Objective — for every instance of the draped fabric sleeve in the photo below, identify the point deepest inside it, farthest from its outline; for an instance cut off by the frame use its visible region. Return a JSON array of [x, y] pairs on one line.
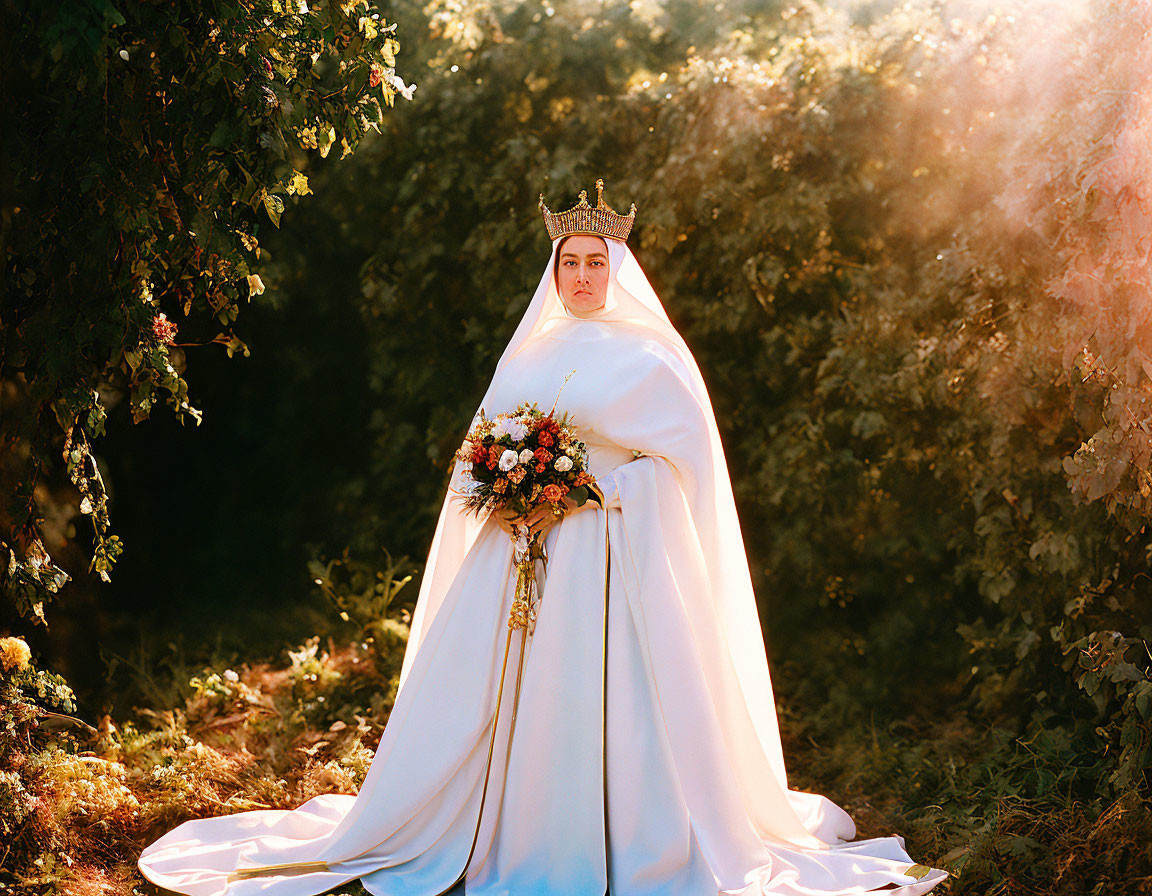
[[688, 563], [656, 414]]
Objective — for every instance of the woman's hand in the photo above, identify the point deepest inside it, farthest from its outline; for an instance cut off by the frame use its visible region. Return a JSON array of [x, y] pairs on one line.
[[539, 518], [508, 519], [542, 515]]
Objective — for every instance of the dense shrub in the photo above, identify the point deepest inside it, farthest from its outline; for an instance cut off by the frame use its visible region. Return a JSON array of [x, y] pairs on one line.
[[148, 145]]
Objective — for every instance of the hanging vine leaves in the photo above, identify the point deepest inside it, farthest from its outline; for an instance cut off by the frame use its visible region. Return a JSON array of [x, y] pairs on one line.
[[148, 146]]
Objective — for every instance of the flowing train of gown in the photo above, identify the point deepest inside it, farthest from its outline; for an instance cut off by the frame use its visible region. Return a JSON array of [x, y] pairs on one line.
[[665, 820]]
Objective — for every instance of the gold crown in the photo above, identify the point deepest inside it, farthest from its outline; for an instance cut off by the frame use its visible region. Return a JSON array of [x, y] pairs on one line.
[[583, 218]]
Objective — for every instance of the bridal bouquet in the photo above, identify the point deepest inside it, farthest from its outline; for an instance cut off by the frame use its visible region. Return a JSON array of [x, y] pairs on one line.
[[520, 460]]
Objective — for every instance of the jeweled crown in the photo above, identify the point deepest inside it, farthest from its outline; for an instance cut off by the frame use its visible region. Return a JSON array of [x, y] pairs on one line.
[[583, 218]]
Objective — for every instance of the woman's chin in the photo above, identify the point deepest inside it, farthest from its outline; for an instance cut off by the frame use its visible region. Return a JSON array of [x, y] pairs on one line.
[[578, 307]]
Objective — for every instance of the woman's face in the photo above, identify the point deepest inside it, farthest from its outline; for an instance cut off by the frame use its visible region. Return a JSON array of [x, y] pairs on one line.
[[582, 277]]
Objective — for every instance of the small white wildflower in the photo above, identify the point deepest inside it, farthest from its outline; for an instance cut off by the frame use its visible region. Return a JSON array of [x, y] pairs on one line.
[[231, 676]]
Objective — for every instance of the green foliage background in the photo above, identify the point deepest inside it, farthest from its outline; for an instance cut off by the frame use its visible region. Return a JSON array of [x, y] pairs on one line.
[[907, 248]]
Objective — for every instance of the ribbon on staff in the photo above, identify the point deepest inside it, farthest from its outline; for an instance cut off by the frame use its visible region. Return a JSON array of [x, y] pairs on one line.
[[527, 550]]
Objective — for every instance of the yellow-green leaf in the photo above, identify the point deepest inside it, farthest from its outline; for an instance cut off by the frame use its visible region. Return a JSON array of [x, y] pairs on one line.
[[299, 184]]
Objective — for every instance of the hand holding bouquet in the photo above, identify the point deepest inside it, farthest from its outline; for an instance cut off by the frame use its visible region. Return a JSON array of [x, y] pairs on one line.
[[519, 462]]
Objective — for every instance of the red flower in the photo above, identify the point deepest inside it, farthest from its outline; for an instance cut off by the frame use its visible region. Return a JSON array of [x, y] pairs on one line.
[[163, 329], [552, 492], [375, 75], [545, 437], [540, 468], [543, 455], [494, 453]]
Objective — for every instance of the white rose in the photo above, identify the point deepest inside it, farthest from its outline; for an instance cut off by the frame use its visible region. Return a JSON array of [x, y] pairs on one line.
[[526, 455], [563, 463], [508, 460]]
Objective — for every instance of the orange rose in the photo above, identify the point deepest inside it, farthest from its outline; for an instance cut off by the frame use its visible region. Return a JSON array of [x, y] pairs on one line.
[[552, 492]]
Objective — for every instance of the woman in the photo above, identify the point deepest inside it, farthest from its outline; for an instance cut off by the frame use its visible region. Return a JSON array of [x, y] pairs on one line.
[[638, 751]]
